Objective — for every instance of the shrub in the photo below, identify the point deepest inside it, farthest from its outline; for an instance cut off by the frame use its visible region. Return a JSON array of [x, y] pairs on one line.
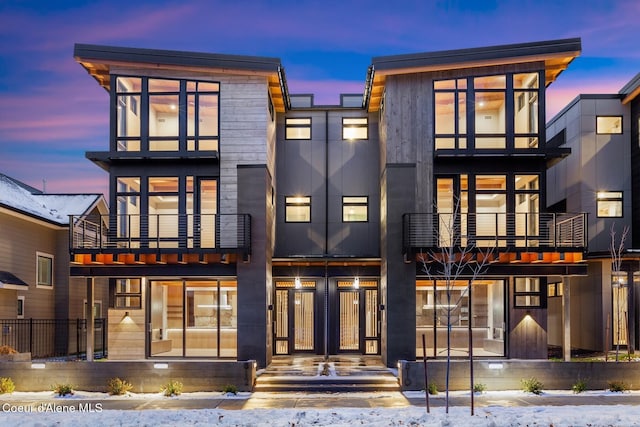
[[479, 388], [62, 389], [579, 386], [6, 349], [229, 388], [6, 385], [433, 388], [617, 386], [531, 385], [172, 388], [118, 387]]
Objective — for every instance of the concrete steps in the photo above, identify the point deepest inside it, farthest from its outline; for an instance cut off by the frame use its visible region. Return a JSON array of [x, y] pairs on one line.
[[338, 374]]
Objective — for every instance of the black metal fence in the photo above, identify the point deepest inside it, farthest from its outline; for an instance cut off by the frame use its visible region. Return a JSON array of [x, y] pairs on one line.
[[57, 338]]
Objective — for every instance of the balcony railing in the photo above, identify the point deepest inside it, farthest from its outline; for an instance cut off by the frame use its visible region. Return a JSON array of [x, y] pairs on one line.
[[216, 233], [504, 231]]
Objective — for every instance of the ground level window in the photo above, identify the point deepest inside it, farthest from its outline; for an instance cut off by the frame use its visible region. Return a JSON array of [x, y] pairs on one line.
[[527, 292], [20, 307], [609, 204], [442, 305], [127, 294]]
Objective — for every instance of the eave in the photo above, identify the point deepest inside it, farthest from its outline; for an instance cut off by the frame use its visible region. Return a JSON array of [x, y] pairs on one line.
[[99, 61], [556, 56]]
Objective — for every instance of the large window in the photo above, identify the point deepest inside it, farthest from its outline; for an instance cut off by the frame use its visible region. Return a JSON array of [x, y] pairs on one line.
[[449, 305], [194, 318], [298, 128], [298, 209], [181, 114], [355, 128], [495, 112], [609, 125], [44, 270], [609, 204], [355, 209]]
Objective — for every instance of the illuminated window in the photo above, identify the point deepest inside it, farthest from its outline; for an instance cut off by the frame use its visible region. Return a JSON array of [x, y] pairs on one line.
[[609, 204], [355, 209], [44, 270], [298, 209], [527, 292], [127, 294], [298, 128], [355, 128], [609, 124]]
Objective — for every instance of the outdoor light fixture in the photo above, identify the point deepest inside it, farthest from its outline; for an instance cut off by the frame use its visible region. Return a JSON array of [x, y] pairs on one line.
[[160, 366], [495, 366], [356, 282], [298, 283], [37, 366]]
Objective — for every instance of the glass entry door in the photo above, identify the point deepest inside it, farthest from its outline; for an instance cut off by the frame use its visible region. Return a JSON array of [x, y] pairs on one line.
[[295, 317], [358, 317]]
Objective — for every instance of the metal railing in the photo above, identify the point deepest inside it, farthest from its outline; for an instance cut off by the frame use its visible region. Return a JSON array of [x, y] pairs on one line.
[[216, 232], [535, 231], [53, 338]]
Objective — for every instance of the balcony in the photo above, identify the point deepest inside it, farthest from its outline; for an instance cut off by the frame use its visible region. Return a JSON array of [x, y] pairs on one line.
[[113, 239], [512, 233]]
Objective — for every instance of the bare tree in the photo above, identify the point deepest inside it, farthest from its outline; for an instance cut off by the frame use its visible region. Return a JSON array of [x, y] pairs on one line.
[[456, 259], [616, 249]]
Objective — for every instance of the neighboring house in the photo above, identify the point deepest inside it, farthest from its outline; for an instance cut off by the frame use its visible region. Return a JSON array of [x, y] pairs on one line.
[[601, 177], [247, 222], [34, 256]]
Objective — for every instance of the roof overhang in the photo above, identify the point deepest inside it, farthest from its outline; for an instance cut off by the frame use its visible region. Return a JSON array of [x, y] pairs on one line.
[[100, 60], [11, 281], [555, 54], [631, 90]]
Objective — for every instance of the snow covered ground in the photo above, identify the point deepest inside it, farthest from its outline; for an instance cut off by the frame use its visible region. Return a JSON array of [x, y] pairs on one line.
[[43, 409]]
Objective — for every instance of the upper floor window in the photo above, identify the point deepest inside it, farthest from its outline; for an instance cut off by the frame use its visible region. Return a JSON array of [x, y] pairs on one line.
[[298, 128], [44, 270], [495, 112], [355, 209], [178, 114], [355, 128], [609, 204], [298, 209], [609, 125]]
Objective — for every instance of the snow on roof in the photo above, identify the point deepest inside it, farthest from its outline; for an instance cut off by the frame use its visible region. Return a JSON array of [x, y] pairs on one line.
[[54, 208]]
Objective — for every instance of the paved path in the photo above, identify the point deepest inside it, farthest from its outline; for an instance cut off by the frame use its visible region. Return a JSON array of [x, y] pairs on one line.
[[330, 400]]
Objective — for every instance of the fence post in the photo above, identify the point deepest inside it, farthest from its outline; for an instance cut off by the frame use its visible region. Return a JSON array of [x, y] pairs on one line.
[[77, 338], [31, 336]]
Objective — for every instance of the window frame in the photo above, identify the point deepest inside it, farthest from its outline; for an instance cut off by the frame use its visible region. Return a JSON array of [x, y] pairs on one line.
[[20, 300], [356, 126], [126, 296], [300, 204], [540, 293], [606, 116], [600, 197], [288, 126], [346, 204], [51, 259]]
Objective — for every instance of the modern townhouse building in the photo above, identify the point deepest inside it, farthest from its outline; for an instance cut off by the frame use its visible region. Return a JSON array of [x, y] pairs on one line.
[[34, 266], [601, 178], [247, 222]]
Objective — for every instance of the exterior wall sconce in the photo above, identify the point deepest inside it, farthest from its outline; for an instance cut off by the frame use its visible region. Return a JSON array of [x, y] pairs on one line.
[[298, 283], [356, 282]]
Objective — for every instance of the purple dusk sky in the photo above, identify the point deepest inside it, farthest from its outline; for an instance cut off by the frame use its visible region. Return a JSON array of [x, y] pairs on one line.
[[52, 111]]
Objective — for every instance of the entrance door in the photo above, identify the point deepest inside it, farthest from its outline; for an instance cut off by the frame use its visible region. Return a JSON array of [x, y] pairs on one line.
[[358, 317], [295, 317]]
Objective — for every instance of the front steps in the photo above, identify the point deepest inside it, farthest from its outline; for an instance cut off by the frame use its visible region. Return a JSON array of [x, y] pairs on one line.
[[337, 374]]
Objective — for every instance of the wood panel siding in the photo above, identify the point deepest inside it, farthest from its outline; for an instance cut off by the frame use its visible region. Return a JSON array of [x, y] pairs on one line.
[[126, 338]]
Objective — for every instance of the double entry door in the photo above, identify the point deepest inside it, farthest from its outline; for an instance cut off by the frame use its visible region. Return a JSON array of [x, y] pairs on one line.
[[313, 318]]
